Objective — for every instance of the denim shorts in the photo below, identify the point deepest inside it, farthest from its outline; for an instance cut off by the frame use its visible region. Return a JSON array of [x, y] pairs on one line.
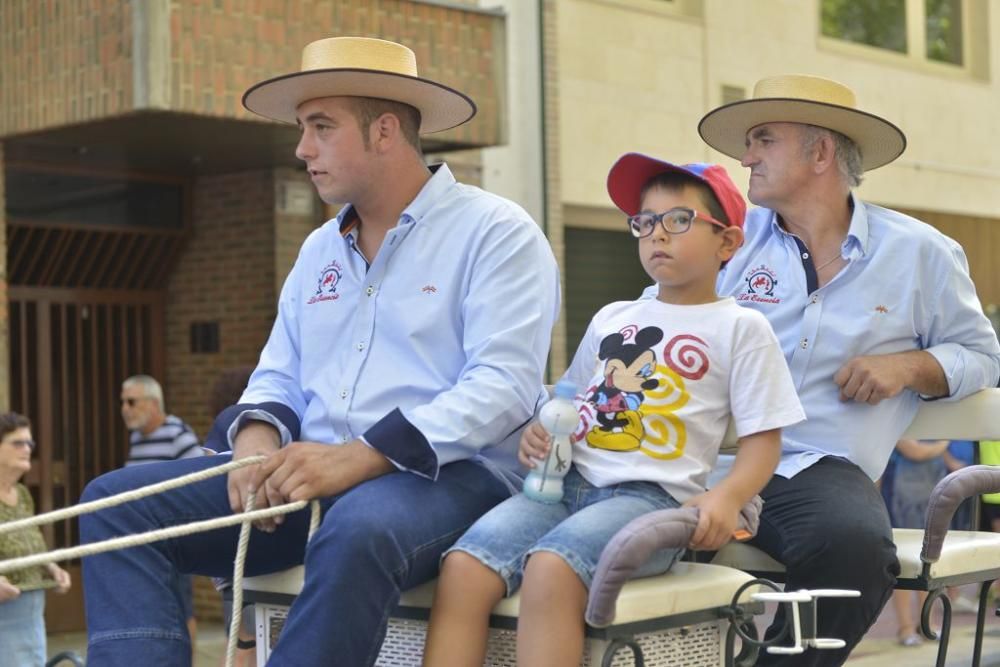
[[576, 529]]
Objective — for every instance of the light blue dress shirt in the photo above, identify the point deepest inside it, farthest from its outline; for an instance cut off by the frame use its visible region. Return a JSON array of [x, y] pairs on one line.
[[432, 354], [905, 287]]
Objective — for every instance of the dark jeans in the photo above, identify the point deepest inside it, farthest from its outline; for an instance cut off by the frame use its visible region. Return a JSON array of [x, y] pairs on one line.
[[377, 539], [830, 528]]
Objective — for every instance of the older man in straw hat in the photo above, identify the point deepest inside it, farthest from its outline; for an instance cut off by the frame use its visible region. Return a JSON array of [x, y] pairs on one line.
[[409, 346], [875, 312]]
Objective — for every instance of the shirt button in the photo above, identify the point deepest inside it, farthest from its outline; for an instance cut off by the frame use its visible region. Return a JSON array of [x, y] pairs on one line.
[[361, 346], [370, 290], [805, 255], [814, 298], [804, 343], [343, 394]]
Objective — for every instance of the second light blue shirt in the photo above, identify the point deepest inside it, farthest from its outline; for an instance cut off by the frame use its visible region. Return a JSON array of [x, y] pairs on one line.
[[905, 287]]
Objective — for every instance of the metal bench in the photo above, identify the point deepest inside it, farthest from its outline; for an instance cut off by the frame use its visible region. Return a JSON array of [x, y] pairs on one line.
[[933, 558], [675, 619], [680, 618]]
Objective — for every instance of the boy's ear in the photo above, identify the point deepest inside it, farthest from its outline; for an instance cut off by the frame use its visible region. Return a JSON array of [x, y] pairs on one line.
[[732, 239]]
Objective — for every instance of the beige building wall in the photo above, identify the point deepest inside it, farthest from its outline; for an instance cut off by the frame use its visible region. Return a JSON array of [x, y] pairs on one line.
[[639, 74]]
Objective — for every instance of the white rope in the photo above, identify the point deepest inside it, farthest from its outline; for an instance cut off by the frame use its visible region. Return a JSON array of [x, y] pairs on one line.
[[246, 518], [236, 618], [70, 553], [127, 496]]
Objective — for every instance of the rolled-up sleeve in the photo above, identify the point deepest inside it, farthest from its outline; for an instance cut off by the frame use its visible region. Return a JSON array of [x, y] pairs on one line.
[[957, 333]]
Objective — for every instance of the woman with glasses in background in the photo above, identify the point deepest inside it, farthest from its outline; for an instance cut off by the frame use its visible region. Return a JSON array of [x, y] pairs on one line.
[[22, 592]]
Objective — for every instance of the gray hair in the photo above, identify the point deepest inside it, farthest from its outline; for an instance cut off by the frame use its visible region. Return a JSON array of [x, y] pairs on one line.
[[845, 151], [150, 388]]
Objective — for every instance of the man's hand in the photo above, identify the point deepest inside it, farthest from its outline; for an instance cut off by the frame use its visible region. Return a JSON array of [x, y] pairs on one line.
[[871, 379], [535, 443], [307, 470], [256, 438], [717, 516], [61, 577], [874, 378], [8, 591]]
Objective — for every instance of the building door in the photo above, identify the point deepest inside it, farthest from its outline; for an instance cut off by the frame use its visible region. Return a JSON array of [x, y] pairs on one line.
[[89, 254], [70, 350]]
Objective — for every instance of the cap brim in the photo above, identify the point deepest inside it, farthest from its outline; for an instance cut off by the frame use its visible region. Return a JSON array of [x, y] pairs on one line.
[[441, 108], [629, 173], [725, 129]]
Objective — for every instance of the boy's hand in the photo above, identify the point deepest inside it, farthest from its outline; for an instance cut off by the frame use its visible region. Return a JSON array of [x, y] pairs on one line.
[[535, 443], [717, 517]]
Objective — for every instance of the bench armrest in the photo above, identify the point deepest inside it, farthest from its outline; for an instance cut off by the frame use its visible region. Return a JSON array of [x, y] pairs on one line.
[[947, 495], [636, 542], [972, 418]]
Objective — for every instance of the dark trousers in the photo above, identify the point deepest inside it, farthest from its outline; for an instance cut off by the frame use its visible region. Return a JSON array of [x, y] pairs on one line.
[[830, 528]]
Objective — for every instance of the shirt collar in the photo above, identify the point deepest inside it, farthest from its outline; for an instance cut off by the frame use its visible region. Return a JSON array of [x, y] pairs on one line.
[[857, 232], [441, 179]]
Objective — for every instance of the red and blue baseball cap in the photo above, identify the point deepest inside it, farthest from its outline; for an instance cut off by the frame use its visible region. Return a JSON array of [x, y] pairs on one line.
[[632, 170]]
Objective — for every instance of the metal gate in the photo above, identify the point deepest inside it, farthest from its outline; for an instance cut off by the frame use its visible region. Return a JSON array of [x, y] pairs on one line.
[[70, 350]]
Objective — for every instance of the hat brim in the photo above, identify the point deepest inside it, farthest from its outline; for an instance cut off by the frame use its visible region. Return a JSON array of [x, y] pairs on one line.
[[725, 129], [441, 108]]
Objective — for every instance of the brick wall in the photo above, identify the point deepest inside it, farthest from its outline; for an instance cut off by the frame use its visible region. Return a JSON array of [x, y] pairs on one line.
[[218, 49], [225, 275], [72, 61], [65, 61]]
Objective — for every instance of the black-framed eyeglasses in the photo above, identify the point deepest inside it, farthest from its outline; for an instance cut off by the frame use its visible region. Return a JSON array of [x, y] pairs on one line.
[[675, 221], [30, 444]]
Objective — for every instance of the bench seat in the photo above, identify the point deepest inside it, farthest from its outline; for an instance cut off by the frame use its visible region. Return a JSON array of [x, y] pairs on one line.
[[665, 614]]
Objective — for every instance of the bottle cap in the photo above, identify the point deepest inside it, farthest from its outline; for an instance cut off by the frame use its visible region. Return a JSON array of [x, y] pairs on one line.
[[565, 389]]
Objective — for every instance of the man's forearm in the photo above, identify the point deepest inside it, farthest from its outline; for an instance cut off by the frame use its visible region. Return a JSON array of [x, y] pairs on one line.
[[924, 373]]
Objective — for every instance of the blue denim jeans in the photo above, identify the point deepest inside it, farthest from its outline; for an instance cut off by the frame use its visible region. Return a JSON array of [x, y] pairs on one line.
[[22, 630], [376, 540], [576, 529]]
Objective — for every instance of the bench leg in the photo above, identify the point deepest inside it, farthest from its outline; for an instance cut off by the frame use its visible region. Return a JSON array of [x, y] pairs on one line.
[[617, 645], [749, 651], [925, 622], [977, 649]]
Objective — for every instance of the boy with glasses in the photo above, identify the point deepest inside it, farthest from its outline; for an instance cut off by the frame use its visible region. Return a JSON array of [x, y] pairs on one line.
[[661, 378]]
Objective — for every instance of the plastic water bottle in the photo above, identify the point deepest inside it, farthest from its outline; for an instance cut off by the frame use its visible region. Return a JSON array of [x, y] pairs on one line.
[[560, 418]]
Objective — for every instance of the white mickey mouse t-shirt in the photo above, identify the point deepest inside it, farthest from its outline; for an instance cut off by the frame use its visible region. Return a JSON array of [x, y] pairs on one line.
[[657, 383]]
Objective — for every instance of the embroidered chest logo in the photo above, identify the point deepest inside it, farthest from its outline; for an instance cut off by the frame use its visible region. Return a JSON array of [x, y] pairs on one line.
[[761, 281], [326, 285], [881, 310], [429, 289], [632, 408]]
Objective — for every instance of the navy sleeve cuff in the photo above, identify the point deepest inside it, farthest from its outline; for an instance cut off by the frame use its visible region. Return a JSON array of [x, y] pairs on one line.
[[218, 439], [400, 442]]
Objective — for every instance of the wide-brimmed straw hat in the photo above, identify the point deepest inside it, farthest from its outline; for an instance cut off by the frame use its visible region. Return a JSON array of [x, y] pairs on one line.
[[799, 98], [360, 67]]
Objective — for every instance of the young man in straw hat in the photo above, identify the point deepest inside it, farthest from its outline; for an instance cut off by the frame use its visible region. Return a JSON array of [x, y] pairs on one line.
[[410, 342], [875, 311]]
